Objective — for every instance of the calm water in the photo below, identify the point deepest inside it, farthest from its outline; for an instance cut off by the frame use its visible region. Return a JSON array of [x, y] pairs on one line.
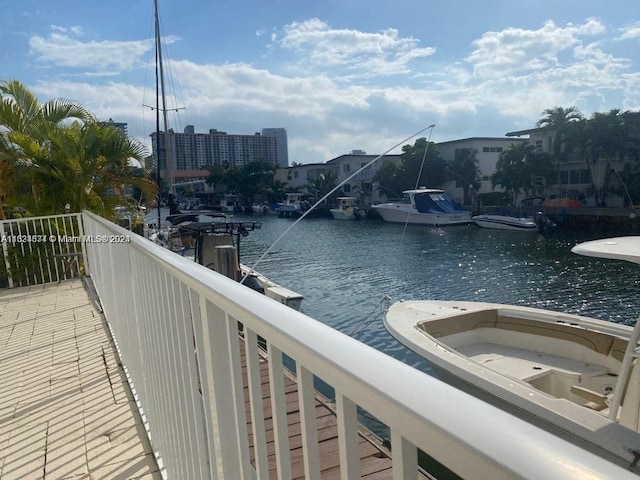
[[345, 269]]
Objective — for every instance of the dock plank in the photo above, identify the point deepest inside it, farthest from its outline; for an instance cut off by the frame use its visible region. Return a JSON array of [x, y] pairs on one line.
[[375, 459]]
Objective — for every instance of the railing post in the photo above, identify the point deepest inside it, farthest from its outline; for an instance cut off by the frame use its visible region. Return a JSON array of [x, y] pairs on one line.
[[5, 255], [347, 413], [279, 413], [404, 458], [308, 424], [80, 220], [214, 355]]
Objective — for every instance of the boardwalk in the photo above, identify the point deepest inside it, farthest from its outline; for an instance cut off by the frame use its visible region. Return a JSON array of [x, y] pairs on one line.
[[66, 411]]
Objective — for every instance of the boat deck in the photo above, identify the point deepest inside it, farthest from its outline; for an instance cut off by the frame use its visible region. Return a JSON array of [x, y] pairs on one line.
[[525, 364], [66, 409]]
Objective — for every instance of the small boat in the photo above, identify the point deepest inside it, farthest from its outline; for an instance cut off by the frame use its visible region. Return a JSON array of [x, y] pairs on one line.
[[347, 209], [229, 203], [424, 206], [292, 206], [575, 376], [260, 209], [216, 245], [505, 221]]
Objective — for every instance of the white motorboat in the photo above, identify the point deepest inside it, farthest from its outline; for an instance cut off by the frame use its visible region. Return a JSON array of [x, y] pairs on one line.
[[575, 376], [260, 209], [506, 222], [229, 203], [347, 209], [424, 206]]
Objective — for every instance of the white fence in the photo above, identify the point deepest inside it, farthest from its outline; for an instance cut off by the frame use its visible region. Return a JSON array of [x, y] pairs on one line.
[[41, 249], [176, 325]]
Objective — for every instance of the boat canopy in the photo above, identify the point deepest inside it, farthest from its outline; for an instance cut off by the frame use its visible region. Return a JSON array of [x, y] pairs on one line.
[[436, 203]]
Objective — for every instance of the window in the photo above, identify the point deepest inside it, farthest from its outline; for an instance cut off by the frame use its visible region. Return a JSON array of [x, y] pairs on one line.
[[564, 178], [585, 176], [296, 174], [491, 149], [538, 146], [346, 168], [574, 176], [346, 188]]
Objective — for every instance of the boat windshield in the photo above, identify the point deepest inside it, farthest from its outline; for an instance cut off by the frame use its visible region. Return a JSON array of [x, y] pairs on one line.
[[406, 198], [436, 203]]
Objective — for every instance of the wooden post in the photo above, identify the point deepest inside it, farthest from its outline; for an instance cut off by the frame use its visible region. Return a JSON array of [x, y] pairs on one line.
[[227, 261]]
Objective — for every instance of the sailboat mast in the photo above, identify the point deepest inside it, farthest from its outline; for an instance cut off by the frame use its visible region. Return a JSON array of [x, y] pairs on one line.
[[161, 94]]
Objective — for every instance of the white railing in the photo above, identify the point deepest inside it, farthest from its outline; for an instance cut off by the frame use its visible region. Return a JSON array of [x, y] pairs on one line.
[[39, 250], [176, 326]]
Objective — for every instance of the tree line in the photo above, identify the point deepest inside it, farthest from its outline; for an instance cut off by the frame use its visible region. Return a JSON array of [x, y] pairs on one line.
[[56, 157], [611, 136]]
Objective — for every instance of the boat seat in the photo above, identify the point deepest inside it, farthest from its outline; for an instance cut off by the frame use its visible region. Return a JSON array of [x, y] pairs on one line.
[[459, 323], [595, 400], [599, 342]]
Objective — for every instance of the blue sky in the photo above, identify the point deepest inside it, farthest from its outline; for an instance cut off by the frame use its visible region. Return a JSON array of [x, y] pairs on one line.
[[337, 74]]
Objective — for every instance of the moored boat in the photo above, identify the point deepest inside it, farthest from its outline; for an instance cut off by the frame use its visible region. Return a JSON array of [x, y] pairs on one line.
[[424, 206], [292, 206], [575, 376], [346, 210], [216, 245], [506, 222]]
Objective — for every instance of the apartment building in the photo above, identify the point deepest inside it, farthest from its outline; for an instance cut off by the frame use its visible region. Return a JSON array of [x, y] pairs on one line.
[[191, 152]]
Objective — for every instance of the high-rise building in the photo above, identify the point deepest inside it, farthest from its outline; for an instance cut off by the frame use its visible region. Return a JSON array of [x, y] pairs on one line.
[[121, 125], [282, 147], [191, 151]]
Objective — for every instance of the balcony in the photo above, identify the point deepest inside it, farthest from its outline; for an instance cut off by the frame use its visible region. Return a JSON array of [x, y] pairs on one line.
[[205, 359]]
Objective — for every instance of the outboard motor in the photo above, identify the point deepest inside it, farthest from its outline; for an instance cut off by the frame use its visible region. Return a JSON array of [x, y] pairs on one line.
[[545, 225]]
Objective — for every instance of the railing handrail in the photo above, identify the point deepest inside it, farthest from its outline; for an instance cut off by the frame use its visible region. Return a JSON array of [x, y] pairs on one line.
[[40, 217], [453, 427]]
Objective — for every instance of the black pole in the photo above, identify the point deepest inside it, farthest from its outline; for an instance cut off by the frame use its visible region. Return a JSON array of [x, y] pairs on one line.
[[157, 143]]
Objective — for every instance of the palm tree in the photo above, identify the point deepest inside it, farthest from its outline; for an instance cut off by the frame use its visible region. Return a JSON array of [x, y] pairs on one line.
[[556, 120], [465, 167], [88, 167], [23, 119], [84, 164]]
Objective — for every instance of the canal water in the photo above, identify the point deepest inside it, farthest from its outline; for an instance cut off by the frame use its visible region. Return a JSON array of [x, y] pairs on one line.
[[345, 270]]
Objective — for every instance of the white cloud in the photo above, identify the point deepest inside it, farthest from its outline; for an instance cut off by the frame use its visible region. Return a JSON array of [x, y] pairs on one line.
[[516, 50], [362, 53], [631, 31], [63, 48]]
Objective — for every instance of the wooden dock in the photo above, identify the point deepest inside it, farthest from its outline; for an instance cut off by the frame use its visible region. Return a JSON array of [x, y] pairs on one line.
[[375, 459]]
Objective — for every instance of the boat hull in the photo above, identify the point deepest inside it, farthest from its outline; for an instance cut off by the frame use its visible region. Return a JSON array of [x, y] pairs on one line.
[[477, 360], [395, 213], [342, 214], [504, 222]]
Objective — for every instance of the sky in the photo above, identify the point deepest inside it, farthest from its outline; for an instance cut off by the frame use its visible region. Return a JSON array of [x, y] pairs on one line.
[[339, 75]]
